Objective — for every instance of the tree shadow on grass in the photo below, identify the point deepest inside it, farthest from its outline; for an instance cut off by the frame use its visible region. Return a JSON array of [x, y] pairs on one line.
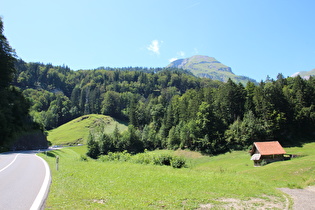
[[50, 154], [297, 141]]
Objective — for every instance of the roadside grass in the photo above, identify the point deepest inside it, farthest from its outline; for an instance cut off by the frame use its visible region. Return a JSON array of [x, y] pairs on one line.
[[93, 184], [77, 130], [81, 150]]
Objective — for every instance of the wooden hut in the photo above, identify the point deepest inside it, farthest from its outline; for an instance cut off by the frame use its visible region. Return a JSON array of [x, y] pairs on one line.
[[270, 151]]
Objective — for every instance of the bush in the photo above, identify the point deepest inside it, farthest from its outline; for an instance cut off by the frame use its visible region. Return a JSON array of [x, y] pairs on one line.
[[165, 159], [142, 158], [124, 156], [83, 158], [103, 158], [117, 156], [145, 158], [178, 162], [169, 160]]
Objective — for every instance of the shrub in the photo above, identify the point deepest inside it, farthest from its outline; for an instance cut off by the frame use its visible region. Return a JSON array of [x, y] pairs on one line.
[[142, 158], [124, 156], [169, 160], [103, 158], [145, 158], [178, 162], [115, 156], [164, 159], [83, 158]]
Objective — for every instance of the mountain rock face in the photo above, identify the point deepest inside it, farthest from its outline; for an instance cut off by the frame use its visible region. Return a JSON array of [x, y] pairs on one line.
[[209, 67], [304, 74]]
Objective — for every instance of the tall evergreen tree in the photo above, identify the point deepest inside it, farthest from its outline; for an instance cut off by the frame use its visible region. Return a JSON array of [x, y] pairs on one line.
[[14, 118], [7, 60]]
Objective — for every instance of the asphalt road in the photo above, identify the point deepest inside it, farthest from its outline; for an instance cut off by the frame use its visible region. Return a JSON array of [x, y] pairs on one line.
[[24, 180]]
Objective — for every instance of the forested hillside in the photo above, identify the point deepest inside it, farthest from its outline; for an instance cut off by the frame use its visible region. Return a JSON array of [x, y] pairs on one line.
[[170, 108], [17, 129]]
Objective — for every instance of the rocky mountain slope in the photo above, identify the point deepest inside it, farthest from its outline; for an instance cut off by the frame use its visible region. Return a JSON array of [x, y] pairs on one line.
[[304, 74], [209, 67]]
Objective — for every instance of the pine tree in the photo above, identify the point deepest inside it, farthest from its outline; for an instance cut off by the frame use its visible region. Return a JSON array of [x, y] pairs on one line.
[[7, 60], [14, 108]]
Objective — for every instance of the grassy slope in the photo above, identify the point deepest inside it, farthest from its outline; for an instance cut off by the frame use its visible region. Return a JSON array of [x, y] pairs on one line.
[[119, 185], [198, 68], [77, 130]]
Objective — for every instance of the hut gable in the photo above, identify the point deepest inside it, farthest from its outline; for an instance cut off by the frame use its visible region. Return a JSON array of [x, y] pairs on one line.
[[269, 151]]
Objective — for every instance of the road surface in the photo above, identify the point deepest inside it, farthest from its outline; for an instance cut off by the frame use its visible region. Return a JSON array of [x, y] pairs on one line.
[[24, 180]]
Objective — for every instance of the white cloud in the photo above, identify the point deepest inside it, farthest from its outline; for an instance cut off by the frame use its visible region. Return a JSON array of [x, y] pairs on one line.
[[154, 47], [180, 54], [172, 59]]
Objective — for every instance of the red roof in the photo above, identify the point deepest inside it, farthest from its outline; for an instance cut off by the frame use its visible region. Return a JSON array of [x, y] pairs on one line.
[[268, 148]]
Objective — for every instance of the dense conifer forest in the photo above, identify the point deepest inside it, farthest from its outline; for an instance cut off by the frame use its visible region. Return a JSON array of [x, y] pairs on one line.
[[169, 107]]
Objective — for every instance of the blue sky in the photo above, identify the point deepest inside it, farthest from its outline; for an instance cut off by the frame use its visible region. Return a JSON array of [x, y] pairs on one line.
[[255, 38]]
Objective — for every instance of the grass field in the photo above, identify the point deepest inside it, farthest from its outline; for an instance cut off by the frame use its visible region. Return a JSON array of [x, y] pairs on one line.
[[222, 181], [77, 130]]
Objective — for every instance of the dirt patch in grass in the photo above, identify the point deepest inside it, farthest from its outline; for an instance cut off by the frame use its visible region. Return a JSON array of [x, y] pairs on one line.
[[266, 202], [100, 201], [188, 154]]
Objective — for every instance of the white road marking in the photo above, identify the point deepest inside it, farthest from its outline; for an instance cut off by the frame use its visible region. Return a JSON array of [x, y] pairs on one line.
[[38, 202], [9, 163]]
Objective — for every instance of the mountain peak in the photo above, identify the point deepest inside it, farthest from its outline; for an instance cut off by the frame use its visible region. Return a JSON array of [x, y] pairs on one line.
[[209, 67], [203, 58], [200, 62]]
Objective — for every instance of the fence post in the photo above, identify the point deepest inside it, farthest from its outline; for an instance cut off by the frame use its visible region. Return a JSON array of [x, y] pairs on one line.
[[57, 163]]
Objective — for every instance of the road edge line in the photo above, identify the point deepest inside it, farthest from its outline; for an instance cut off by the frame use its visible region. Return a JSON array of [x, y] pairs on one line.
[[9, 163], [43, 192]]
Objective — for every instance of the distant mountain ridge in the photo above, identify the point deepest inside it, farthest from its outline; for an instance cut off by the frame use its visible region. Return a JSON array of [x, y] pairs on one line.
[[304, 74], [209, 67]]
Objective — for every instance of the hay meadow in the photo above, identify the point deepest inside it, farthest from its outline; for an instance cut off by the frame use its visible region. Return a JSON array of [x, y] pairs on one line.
[[225, 181]]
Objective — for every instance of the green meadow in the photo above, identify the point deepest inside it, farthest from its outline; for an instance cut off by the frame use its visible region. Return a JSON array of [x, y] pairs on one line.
[[76, 131], [225, 181]]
